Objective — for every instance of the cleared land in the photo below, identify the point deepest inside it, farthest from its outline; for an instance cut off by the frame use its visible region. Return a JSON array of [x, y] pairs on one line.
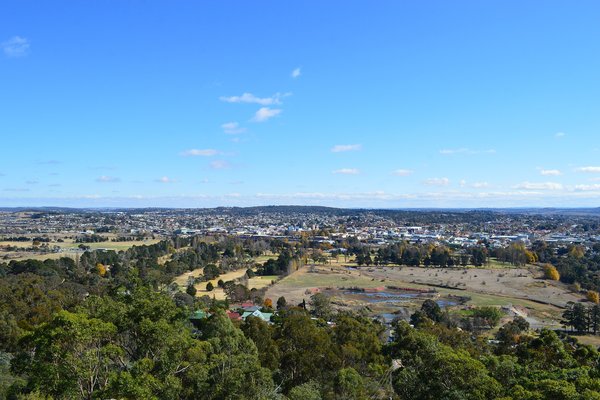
[[259, 282], [68, 248], [217, 292], [517, 289]]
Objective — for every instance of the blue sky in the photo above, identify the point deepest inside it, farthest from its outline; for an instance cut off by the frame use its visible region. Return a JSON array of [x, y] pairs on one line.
[[340, 103]]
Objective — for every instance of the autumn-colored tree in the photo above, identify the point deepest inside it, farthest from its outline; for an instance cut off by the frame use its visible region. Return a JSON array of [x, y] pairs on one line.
[[531, 257], [550, 272], [593, 296], [577, 251], [268, 303], [101, 268]]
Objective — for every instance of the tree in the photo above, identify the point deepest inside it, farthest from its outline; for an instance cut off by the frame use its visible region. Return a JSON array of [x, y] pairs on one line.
[[594, 318], [358, 343], [431, 370], [268, 303], [510, 333], [261, 333], [281, 303], [349, 385], [307, 391], [306, 350], [432, 310], [191, 290], [209, 287], [575, 316], [550, 272], [232, 368], [70, 357], [321, 306], [593, 296], [491, 315]]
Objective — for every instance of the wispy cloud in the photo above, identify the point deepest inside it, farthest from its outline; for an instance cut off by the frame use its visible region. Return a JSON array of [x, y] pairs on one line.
[[437, 182], [586, 188], [252, 99], [539, 186], [402, 172], [296, 73], [339, 148], [265, 113], [220, 164], [232, 128], [199, 153], [16, 46], [480, 185], [165, 179], [346, 171], [16, 190], [107, 179], [589, 170], [550, 172], [466, 151], [31, 182], [559, 135]]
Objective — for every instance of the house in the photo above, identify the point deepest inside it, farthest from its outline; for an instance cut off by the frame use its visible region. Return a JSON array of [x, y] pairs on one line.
[[251, 308], [258, 314], [234, 316]]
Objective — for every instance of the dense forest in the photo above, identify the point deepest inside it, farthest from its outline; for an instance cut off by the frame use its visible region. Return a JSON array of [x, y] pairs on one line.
[[110, 325]]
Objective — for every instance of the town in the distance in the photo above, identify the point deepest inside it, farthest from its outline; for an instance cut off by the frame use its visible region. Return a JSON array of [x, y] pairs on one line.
[[500, 287]]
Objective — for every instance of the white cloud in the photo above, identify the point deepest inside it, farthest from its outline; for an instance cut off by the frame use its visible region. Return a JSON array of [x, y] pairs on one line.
[[402, 172], [550, 172], [16, 190], [252, 99], [107, 179], [559, 135], [346, 171], [465, 150], [232, 128], [591, 170], [539, 186], [296, 73], [437, 182], [338, 148], [219, 164], [16, 46], [166, 179], [265, 113], [480, 185], [201, 153], [586, 188]]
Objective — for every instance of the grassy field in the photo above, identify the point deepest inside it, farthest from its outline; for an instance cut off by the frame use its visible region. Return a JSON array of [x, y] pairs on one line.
[[259, 282], [484, 286], [265, 257], [217, 292], [68, 248]]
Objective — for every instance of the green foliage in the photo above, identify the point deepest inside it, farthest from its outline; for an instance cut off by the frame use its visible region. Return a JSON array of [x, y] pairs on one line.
[[490, 315], [307, 391], [432, 370], [321, 306]]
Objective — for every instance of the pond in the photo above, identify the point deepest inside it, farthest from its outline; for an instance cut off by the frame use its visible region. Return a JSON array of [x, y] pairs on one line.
[[395, 297]]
